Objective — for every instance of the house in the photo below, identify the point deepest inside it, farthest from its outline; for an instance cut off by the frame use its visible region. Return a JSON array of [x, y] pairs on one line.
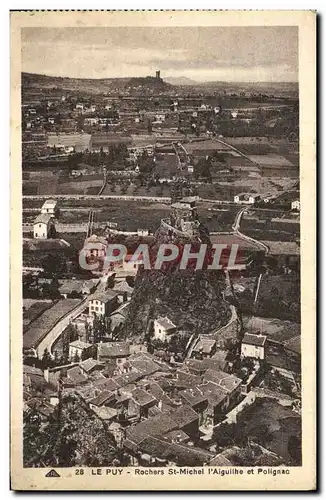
[[205, 348], [196, 399], [129, 265], [74, 141], [144, 364], [160, 117], [199, 366], [113, 350], [91, 121], [105, 413], [142, 232], [164, 328], [90, 365], [246, 198], [49, 207], [73, 287], [76, 349], [43, 227], [253, 346], [230, 384], [295, 205], [95, 246], [177, 437], [118, 317], [217, 402], [76, 377], [187, 420], [103, 303], [185, 379], [140, 402], [124, 291]]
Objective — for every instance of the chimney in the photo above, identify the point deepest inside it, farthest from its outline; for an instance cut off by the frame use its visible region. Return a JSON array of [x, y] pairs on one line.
[[46, 374]]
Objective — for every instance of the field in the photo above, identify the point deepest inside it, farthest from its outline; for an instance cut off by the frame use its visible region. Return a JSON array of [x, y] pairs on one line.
[[271, 225], [279, 330], [32, 309], [279, 297], [80, 187], [47, 320], [280, 424], [133, 190]]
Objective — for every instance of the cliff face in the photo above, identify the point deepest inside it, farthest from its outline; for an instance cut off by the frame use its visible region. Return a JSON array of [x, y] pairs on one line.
[[193, 300]]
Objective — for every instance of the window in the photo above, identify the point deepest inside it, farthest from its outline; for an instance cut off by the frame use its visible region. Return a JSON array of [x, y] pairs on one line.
[[39, 225], [96, 308]]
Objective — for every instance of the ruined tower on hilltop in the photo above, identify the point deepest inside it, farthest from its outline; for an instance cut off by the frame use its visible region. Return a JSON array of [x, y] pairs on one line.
[[158, 74]]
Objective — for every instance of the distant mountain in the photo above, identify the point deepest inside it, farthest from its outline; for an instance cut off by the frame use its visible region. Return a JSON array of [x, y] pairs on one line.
[[180, 80]]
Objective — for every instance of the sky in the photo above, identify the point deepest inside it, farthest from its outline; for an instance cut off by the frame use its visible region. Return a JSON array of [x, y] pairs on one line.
[[237, 54]]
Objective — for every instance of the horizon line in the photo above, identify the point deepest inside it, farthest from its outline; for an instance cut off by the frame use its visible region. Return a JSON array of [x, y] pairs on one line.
[[153, 76]]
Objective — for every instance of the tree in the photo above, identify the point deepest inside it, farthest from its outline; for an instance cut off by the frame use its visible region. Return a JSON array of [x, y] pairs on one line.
[[74, 437], [76, 358], [69, 335], [30, 286], [51, 290], [101, 328], [295, 449], [47, 359], [88, 353], [53, 264]]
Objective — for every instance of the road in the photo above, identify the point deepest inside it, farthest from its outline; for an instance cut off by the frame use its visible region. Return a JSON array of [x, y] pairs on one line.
[[56, 331], [236, 228], [61, 325], [159, 199]]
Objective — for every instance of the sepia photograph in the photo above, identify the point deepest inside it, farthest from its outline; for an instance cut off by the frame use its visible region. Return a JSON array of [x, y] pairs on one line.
[[161, 227]]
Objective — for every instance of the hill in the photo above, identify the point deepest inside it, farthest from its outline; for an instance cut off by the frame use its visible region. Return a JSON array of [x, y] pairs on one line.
[[181, 80], [76, 437], [92, 85], [193, 300]]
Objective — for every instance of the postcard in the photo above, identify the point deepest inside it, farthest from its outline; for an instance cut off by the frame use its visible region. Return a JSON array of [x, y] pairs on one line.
[[163, 228]]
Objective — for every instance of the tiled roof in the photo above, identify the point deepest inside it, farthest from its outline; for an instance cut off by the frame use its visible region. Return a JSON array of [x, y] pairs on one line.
[[154, 426], [101, 398], [166, 323], [113, 350], [89, 364], [43, 219], [105, 296], [180, 454], [193, 396], [224, 380], [205, 346], [184, 416], [76, 376], [79, 344], [252, 339], [142, 397], [49, 203], [215, 395]]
